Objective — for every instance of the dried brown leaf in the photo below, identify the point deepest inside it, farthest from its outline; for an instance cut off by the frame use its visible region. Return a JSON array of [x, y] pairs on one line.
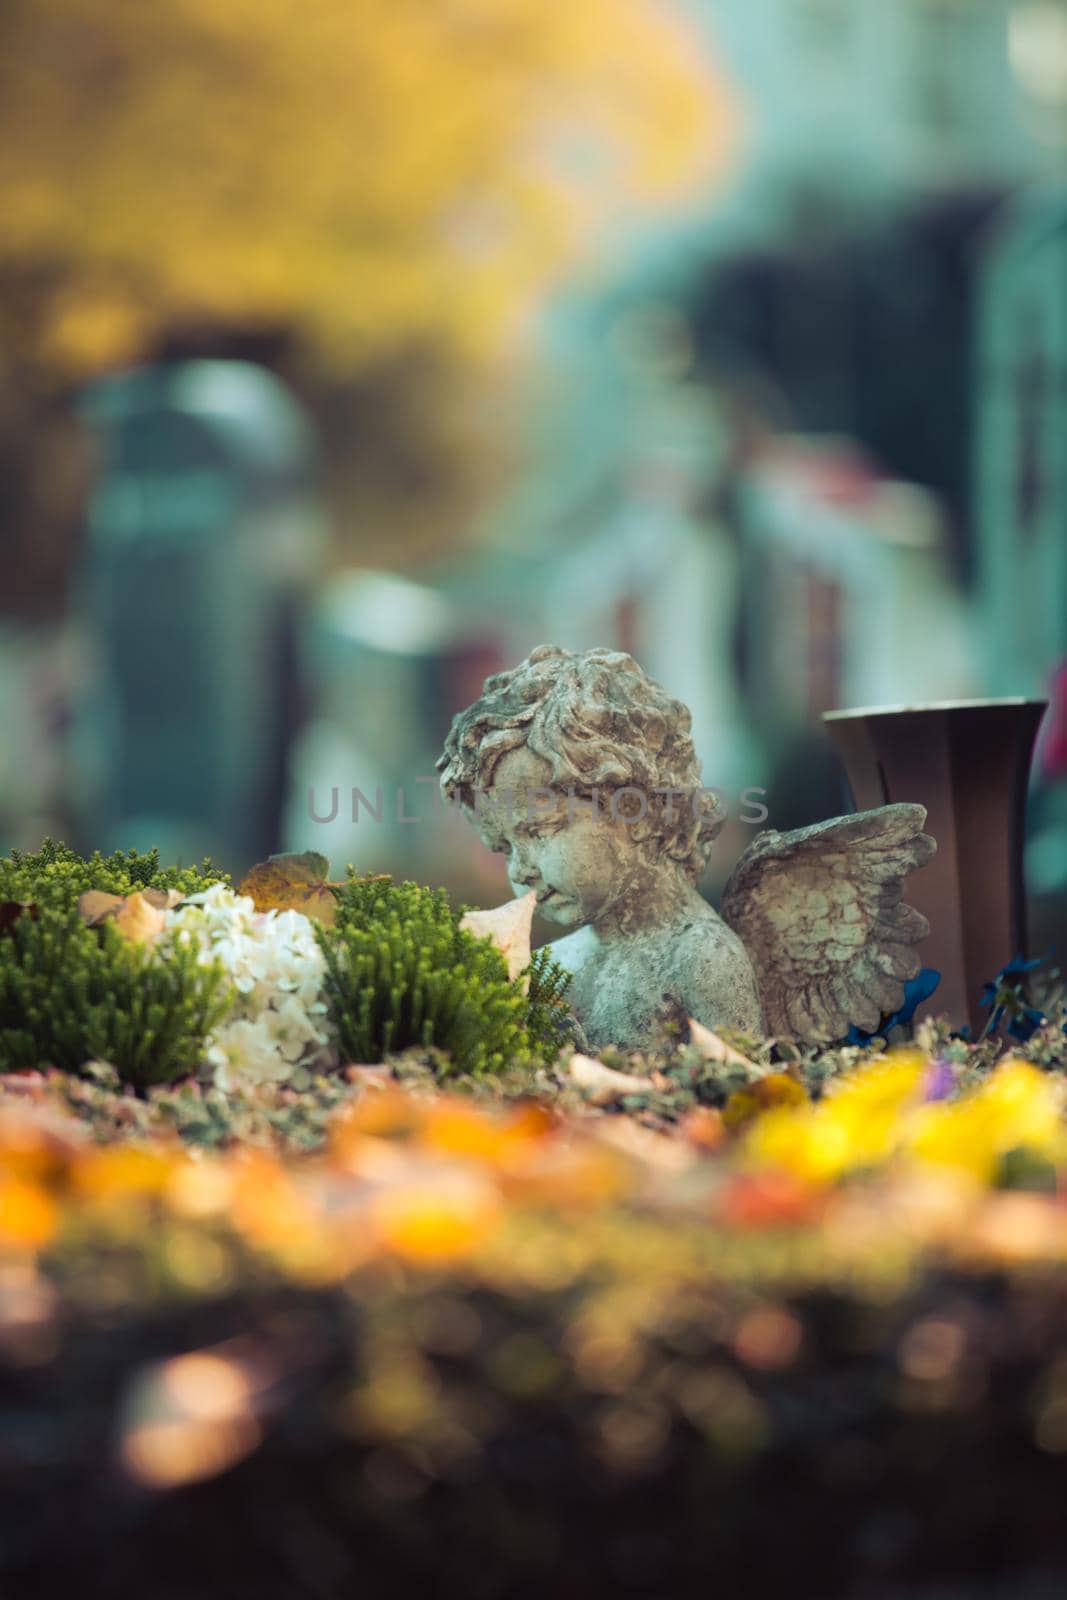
[[293, 882], [96, 906], [509, 928], [138, 920], [602, 1085]]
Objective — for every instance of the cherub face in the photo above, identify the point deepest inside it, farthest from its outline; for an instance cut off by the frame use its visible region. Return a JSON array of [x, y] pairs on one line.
[[579, 862]]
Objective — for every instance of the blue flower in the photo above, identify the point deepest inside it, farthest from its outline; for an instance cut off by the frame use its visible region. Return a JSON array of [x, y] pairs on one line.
[[1005, 994], [916, 990], [1017, 966], [1025, 1022]]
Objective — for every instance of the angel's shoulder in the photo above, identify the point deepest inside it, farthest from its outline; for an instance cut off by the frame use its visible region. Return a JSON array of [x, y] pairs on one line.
[[714, 975], [706, 946], [573, 949]]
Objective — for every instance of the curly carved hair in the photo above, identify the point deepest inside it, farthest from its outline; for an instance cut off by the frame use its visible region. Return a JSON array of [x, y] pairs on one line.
[[600, 723]]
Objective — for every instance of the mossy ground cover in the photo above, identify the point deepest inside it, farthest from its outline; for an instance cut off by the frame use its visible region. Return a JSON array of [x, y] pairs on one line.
[[485, 1345], [793, 1321]]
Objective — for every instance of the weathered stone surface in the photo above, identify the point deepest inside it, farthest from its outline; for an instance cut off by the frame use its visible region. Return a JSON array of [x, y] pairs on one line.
[[581, 770]]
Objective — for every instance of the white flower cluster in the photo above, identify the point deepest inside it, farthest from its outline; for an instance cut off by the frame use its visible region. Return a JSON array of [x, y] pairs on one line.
[[278, 1021]]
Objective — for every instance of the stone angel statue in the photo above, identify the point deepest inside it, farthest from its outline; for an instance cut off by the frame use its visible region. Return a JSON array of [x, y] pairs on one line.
[[581, 770]]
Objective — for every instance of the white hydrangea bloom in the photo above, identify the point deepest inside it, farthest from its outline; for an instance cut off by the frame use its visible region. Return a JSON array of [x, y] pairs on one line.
[[279, 1019], [243, 1053]]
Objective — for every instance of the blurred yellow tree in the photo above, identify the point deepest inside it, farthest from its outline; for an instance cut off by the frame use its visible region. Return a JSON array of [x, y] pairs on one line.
[[372, 175]]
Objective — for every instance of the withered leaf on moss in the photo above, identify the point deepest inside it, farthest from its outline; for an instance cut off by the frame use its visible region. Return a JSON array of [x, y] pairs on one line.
[[294, 882], [131, 912]]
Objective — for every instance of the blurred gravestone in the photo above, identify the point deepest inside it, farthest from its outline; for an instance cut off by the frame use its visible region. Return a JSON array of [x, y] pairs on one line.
[[1021, 500], [1021, 454], [204, 529], [387, 661]]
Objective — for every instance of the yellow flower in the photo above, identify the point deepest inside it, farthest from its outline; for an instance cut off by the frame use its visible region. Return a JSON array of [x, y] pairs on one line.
[[124, 1171], [877, 1114], [857, 1125], [28, 1216], [775, 1089], [438, 1219], [1018, 1106]]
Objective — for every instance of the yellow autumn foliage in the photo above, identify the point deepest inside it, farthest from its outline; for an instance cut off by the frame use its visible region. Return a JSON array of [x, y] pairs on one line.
[[368, 173]]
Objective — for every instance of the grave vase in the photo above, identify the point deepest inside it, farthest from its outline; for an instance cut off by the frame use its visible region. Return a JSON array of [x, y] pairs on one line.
[[968, 763]]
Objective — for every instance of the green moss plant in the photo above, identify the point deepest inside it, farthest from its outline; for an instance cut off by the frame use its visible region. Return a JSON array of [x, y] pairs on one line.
[[401, 972], [71, 994]]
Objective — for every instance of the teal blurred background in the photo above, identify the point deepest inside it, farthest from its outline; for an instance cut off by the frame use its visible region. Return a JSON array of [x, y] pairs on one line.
[[790, 425]]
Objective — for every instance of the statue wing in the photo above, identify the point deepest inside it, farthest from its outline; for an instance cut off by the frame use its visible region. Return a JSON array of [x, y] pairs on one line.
[[821, 914]]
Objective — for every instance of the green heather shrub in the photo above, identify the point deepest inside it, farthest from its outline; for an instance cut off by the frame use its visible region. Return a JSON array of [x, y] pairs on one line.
[[56, 875], [401, 972], [71, 994], [547, 1013]]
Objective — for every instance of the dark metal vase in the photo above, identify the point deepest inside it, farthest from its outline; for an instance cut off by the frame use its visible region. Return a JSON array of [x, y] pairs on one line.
[[968, 763]]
